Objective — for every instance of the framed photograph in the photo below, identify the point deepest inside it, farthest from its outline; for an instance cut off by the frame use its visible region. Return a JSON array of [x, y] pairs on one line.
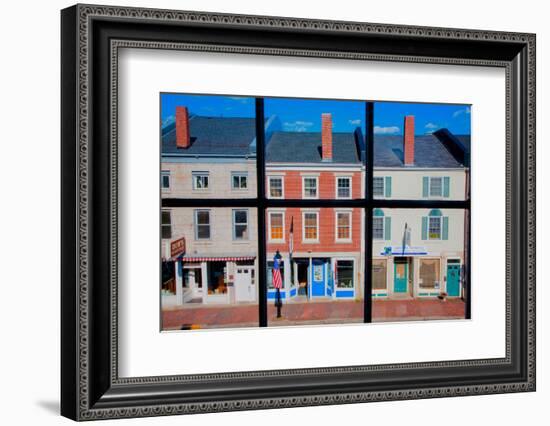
[[263, 212]]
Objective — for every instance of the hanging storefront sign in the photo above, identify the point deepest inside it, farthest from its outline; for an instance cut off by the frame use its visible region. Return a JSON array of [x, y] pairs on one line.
[[404, 251], [177, 247]]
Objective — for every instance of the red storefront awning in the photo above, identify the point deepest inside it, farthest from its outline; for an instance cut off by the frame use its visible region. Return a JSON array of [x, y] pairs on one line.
[[213, 259]]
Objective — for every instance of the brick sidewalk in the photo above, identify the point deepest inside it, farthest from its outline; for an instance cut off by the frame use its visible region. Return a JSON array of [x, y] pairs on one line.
[[336, 312]]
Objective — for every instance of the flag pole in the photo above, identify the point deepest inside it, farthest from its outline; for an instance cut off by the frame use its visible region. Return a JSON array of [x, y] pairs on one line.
[[277, 270]]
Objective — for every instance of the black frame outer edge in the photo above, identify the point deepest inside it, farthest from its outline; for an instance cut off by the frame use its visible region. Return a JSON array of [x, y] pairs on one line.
[[103, 393], [69, 211]]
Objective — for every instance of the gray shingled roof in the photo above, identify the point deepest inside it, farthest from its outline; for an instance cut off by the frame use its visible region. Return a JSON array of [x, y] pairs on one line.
[[213, 136], [235, 136], [305, 147], [428, 151]]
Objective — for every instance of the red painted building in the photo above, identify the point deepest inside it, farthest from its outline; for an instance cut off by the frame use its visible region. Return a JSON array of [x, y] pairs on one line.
[[321, 247]]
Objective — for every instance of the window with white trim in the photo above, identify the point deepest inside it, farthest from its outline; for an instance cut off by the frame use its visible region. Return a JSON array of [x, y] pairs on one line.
[[202, 224], [311, 226], [436, 186], [343, 187], [240, 224], [379, 274], [378, 228], [378, 186], [200, 180], [344, 274], [434, 227], [239, 180], [310, 187], [275, 186], [343, 226], [276, 226], [429, 272]]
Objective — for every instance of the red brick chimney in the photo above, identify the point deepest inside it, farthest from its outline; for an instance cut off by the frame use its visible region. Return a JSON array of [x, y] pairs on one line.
[[326, 137], [408, 140], [183, 137]]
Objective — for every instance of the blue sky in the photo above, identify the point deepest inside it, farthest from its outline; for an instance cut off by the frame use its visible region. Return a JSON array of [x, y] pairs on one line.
[[389, 117], [304, 115], [206, 105]]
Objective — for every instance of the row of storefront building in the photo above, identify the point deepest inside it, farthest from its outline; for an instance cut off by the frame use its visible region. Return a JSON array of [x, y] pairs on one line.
[[209, 255]]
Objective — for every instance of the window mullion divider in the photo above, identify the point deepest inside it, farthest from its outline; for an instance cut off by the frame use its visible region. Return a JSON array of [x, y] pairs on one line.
[[369, 188], [261, 199]]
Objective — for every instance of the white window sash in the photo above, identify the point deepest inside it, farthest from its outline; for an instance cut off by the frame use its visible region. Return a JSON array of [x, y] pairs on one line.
[[382, 194], [338, 179], [271, 214], [440, 226], [440, 179], [381, 219], [279, 178], [304, 191], [316, 239], [349, 215]]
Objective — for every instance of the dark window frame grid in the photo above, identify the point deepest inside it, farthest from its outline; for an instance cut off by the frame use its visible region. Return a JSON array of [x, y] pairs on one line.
[[262, 202]]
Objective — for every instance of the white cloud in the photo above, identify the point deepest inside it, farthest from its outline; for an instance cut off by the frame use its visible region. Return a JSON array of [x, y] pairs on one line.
[[459, 112], [356, 122], [239, 99], [432, 126], [297, 126], [390, 130]]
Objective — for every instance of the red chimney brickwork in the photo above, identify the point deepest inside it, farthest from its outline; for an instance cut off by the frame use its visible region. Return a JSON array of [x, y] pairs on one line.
[[183, 137], [326, 137], [408, 140]]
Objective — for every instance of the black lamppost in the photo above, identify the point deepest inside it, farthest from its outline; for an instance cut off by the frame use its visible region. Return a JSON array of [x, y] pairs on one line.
[[277, 270]]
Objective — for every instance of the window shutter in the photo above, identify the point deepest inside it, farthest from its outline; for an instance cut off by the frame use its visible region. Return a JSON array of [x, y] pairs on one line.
[[424, 227], [388, 186], [446, 186], [387, 228], [425, 183], [445, 231]]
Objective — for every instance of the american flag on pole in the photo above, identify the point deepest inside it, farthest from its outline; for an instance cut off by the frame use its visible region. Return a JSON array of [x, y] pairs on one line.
[[277, 279], [291, 249]]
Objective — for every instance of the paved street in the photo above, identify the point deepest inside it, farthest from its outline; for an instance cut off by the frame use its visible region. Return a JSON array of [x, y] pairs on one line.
[[311, 313]]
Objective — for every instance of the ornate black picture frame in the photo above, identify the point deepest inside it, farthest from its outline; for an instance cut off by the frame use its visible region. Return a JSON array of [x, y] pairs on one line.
[[91, 36]]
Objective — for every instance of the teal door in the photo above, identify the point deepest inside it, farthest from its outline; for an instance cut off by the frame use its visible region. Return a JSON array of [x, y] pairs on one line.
[[453, 279], [400, 274]]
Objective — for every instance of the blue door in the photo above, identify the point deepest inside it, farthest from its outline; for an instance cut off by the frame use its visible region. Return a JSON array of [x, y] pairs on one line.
[[330, 279], [400, 277], [453, 279], [318, 277]]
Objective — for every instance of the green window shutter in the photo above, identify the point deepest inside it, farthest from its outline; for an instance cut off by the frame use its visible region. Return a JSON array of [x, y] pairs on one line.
[[388, 186], [446, 186], [424, 227], [387, 228], [425, 183], [445, 231]]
